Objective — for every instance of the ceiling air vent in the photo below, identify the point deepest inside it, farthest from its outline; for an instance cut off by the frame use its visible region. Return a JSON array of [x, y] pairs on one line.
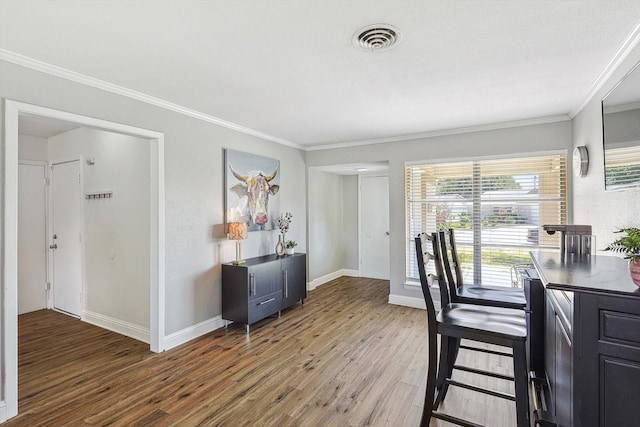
[[376, 37]]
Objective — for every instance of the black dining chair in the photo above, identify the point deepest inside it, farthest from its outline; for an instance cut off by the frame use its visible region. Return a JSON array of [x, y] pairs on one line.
[[456, 321], [496, 296]]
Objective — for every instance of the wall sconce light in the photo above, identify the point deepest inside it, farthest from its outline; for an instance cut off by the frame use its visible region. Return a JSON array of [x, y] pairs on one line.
[[237, 231]]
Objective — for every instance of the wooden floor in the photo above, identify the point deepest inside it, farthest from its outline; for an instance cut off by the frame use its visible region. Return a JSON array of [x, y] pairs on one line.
[[344, 358]]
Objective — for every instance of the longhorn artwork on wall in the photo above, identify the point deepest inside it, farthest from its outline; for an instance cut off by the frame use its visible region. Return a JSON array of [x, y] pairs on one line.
[[252, 183]]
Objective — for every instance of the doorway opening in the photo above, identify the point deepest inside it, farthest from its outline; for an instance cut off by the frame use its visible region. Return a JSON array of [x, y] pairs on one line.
[[13, 111]]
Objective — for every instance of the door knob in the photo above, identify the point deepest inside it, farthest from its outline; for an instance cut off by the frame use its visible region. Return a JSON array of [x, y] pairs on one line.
[[387, 233], [54, 246]]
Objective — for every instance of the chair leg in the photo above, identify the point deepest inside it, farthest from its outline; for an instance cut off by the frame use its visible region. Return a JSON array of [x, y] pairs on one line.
[[449, 348], [432, 367], [521, 383]]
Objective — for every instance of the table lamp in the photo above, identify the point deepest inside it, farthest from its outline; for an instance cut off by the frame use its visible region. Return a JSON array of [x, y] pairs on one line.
[[237, 232]]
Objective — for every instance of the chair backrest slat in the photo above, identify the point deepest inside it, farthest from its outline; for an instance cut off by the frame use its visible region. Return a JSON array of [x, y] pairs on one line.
[[422, 247], [447, 267], [454, 258]]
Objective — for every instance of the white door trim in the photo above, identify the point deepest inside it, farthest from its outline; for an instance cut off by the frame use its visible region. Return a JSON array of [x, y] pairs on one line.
[[47, 225], [12, 109]]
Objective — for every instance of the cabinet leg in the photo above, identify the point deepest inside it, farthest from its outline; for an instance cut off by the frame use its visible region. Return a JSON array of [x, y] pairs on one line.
[[247, 328], [279, 312]]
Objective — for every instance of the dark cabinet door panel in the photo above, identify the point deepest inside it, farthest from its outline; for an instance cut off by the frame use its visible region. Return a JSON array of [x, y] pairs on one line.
[[620, 386]]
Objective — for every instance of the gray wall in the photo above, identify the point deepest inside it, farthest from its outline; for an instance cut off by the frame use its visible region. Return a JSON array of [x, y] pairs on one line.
[[350, 222], [498, 142], [325, 223], [606, 211], [194, 185]]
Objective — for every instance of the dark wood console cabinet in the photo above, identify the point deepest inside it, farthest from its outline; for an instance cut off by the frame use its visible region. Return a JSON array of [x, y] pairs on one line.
[[262, 286], [592, 340]]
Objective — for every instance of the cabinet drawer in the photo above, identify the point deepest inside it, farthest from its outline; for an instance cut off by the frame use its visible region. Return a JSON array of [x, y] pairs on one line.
[[264, 306], [623, 328]]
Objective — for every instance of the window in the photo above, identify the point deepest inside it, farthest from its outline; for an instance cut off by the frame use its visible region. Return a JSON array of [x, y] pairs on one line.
[[495, 206]]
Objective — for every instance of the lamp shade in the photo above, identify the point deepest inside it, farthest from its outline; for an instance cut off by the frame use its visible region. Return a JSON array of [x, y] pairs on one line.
[[237, 230]]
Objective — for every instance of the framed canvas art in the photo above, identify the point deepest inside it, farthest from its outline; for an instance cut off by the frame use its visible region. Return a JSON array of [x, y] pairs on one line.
[[252, 183]]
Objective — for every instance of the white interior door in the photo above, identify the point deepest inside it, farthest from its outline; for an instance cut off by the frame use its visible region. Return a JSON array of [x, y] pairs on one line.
[[374, 227], [32, 238], [66, 204]]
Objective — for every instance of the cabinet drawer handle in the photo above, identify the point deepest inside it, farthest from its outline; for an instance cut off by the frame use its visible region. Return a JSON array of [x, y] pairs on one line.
[[252, 284], [267, 301], [286, 284]]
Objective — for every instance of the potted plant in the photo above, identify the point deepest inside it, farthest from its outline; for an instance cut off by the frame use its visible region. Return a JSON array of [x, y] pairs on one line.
[[290, 246], [629, 246]]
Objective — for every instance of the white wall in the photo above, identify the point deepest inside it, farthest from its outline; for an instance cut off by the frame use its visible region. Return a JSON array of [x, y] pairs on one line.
[[606, 211], [116, 241], [32, 148], [489, 143], [194, 185]]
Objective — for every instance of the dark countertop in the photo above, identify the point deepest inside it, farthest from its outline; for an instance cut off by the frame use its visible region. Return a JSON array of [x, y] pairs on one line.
[[586, 273], [262, 259]]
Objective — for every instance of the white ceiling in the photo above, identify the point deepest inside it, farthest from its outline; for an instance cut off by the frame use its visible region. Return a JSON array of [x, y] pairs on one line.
[[287, 68]]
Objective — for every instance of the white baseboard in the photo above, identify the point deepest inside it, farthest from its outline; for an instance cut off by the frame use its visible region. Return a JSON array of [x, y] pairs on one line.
[[351, 273], [407, 301], [331, 276], [414, 302], [137, 332], [177, 338]]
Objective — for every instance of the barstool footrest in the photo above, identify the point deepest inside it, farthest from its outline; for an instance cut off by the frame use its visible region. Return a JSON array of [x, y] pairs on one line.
[[454, 420], [486, 350], [483, 372], [543, 419], [482, 390]]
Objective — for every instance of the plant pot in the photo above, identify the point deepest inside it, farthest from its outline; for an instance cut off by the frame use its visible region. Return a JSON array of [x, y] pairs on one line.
[[290, 251], [634, 269]]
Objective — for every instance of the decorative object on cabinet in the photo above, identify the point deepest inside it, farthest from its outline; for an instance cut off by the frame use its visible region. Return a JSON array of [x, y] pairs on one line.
[[629, 246], [251, 183], [280, 249], [237, 232], [283, 224], [262, 286], [290, 246]]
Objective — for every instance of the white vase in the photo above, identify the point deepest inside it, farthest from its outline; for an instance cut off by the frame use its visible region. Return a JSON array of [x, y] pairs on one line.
[[290, 251]]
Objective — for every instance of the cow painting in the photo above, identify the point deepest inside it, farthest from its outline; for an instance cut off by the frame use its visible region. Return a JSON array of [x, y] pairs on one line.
[[250, 187]]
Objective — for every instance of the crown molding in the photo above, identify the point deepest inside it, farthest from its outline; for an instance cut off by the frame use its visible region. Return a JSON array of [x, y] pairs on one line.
[[445, 132], [625, 50], [34, 64]]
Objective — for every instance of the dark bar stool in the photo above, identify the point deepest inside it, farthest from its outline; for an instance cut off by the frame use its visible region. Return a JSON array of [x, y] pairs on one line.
[[472, 293], [458, 292], [456, 321]]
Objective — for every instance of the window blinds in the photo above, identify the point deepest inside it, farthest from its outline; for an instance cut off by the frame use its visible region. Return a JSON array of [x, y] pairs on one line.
[[496, 208]]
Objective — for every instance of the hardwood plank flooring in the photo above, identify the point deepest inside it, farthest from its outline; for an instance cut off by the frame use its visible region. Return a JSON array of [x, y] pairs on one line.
[[344, 358]]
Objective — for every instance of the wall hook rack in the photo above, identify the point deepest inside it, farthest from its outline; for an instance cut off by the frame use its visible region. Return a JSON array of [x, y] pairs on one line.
[[99, 195]]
